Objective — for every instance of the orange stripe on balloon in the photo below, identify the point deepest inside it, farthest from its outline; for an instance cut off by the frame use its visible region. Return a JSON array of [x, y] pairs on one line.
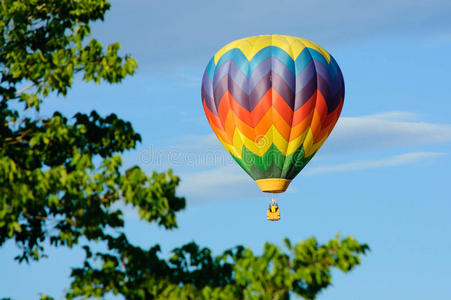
[[251, 118], [263, 126], [261, 109], [321, 106], [324, 132], [212, 118], [223, 108], [315, 126], [281, 125], [282, 107], [319, 116], [300, 128], [220, 133], [270, 98], [333, 116], [329, 122], [271, 118], [305, 110]]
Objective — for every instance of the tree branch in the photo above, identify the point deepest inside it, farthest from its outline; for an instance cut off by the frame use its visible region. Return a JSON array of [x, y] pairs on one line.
[[25, 89]]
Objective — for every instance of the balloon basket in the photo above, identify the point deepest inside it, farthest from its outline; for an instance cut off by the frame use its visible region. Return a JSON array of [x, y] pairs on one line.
[[273, 212]]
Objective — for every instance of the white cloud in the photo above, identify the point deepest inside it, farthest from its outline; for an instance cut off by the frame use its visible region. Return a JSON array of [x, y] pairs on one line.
[[189, 151], [399, 160], [231, 182], [386, 130], [395, 116], [228, 182]]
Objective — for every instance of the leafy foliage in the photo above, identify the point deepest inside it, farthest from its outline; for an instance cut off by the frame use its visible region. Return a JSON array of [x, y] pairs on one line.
[[61, 178], [193, 273]]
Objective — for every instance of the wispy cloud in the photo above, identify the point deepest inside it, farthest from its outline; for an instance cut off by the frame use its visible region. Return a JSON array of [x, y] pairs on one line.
[[226, 182], [187, 152], [399, 160], [386, 130], [395, 116], [230, 182]]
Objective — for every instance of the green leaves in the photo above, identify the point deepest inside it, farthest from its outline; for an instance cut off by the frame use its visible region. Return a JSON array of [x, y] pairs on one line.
[[194, 273], [43, 47]]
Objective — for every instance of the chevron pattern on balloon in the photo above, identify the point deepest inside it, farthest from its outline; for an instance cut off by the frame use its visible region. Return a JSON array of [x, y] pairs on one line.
[[272, 101]]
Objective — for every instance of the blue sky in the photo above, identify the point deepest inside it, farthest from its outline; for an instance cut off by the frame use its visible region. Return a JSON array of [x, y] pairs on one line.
[[382, 176]]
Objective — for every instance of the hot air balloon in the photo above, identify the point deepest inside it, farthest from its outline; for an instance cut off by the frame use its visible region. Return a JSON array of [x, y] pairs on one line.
[[272, 101]]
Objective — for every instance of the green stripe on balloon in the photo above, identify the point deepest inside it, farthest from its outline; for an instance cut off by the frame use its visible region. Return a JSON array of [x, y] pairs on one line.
[[273, 164]]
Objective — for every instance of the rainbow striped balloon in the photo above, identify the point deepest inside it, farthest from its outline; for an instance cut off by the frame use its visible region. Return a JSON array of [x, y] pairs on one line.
[[272, 101]]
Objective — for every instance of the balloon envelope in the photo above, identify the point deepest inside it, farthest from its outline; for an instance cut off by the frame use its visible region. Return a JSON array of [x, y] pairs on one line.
[[272, 101]]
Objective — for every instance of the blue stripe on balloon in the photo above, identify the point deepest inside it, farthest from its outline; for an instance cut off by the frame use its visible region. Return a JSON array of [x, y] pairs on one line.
[[238, 58], [273, 51], [210, 69], [296, 66]]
